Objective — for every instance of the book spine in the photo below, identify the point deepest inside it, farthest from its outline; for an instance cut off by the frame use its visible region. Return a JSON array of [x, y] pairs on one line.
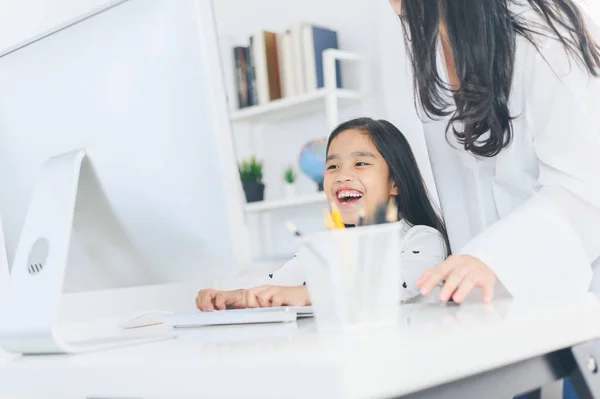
[[298, 58], [324, 39], [251, 77], [285, 91], [241, 78], [310, 59], [261, 74], [289, 72], [272, 62]]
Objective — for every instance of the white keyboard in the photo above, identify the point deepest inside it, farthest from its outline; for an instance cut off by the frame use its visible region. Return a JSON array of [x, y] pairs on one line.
[[238, 316]]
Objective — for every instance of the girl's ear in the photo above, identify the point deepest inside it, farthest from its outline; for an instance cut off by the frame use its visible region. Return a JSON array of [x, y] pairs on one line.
[[394, 190]]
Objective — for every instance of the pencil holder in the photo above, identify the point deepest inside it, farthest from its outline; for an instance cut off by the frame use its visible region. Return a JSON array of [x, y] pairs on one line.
[[353, 276]]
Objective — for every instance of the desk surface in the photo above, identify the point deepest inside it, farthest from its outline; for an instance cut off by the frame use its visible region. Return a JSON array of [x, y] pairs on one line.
[[432, 344]]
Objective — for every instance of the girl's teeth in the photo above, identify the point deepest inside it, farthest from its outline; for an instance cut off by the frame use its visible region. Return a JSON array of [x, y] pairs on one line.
[[345, 194]]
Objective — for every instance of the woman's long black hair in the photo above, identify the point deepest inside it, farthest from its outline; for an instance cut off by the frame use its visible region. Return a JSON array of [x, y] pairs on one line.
[[482, 34], [413, 201]]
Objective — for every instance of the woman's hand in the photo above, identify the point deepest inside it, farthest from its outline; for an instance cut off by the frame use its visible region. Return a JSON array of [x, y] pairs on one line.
[[264, 296], [461, 273]]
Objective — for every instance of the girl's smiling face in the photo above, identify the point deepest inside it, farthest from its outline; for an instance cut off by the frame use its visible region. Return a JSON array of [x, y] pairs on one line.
[[357, 177]]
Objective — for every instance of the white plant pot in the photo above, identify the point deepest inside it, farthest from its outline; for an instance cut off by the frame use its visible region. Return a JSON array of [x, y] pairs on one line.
[[289, 190]]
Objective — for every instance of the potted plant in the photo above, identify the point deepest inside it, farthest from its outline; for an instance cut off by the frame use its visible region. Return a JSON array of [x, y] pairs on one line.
[[251, 173], [289, 177]]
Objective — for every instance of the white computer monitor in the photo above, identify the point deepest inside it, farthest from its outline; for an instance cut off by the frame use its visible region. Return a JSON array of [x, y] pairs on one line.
[[139, 87]]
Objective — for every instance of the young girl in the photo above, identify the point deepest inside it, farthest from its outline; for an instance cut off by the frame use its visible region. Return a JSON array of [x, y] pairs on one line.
[[369, 162]]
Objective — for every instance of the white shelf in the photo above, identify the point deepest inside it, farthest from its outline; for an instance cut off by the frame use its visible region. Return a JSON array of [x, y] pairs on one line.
[[286, 107], [265, 206]]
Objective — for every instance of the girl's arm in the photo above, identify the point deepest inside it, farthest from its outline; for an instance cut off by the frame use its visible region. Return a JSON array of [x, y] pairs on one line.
[[423, 248], [290, 274]]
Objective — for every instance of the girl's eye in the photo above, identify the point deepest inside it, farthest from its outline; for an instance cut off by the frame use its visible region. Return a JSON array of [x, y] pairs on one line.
[[361, 164], [330, 167]]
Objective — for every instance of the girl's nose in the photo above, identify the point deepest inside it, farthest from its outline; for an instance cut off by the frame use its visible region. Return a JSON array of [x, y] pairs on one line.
[[343, 177]]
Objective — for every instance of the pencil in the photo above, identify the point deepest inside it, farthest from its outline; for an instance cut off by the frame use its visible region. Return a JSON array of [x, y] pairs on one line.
[[292, 228], [329, 220], [337, 217]]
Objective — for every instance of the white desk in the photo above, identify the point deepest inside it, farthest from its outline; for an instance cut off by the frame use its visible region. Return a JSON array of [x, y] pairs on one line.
[[433, 345]]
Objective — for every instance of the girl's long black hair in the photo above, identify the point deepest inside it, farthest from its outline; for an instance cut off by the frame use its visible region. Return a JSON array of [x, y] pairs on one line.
[[482, 34], [413, 201]]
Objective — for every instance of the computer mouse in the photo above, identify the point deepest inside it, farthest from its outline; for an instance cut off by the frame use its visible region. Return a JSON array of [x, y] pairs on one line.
[[145, 319]]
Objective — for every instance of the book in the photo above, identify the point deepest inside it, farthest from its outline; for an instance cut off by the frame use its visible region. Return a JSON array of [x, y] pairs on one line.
[[298, 57], [315, 41], [251, 87], [241, 76], [287, 71], [266, 66], [289, 64]]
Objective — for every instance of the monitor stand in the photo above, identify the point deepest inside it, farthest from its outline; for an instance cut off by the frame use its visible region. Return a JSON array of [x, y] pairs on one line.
[[30, 308]]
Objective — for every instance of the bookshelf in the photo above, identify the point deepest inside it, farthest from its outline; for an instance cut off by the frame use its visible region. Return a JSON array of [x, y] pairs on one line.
[[267, 206], [293, 106], [328, 99]]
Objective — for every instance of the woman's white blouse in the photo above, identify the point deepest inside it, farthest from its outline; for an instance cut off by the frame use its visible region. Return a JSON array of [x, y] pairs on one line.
[[422, 248], [532, 213]]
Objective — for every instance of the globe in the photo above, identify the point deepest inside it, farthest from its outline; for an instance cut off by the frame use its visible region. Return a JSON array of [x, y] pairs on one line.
[[312, 160]]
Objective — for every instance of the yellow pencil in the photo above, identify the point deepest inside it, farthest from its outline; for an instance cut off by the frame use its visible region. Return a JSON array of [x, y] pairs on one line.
[[329, 220], [337, 217]]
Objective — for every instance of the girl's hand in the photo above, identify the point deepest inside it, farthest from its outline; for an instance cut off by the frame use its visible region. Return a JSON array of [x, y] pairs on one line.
[[461, 273], [209, 300], [264, 296], [274, 296]]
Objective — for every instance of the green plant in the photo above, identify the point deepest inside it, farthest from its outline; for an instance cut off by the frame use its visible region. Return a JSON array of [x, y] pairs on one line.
[[251, 170], [289, 175]]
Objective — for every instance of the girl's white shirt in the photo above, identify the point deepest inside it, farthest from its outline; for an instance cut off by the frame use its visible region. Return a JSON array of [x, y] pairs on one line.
[[423, 247]]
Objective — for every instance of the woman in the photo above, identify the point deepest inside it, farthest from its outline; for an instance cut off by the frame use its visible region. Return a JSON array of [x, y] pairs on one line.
[[512, 92]]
